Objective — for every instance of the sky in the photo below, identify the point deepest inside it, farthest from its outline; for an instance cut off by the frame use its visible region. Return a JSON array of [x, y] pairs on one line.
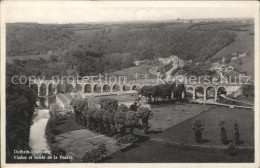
[[83, 12]]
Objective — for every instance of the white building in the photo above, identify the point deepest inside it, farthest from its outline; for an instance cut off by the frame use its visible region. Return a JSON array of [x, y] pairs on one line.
[[64, 100]]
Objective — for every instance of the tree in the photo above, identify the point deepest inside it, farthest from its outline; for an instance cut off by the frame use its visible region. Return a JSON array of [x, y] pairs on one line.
[[108, 104], [144, 114], [157, 92], [97, 119], [134, 106], [120, 118], [89, 117], [197, 128], [102, 150], [223, 134], [178, 91], [122, 108], [79, 106], [132, 120], [108, 122], [236, 135]]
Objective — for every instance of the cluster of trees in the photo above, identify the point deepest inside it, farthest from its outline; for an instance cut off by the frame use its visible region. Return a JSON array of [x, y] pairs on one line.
[[20, 101], [111, 119], [189, 44], [162, 91], [36, 39]]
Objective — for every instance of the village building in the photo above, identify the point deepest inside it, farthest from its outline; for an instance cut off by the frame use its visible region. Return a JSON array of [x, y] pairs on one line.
[[234, 58], [181, 63], [137, 63], [180, 76], [64, 100], [242, 55]]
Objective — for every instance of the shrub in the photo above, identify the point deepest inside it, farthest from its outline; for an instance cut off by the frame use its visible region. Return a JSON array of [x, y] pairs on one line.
[[79, 107], [145, 114], [197, 128], [122, 108], [120, 118], [58, 151], [97, 119], [95, 154], [108, 104], [132, 120], [127, 139], [236, 135], [223, 134]]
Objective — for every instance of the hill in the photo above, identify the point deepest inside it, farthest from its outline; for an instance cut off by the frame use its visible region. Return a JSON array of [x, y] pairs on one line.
[[118, 45]]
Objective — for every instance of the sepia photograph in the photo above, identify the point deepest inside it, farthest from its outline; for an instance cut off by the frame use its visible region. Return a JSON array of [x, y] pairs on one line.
[[129, 82]]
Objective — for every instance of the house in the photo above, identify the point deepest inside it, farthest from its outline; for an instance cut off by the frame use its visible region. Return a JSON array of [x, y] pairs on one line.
[[180, 75], [242, 55], [197, 63], [70, 96], [137, 63], [64, 100], [223, 59], [216, 67], [229, 68], [190, 61], [234, 58], [181, 63]]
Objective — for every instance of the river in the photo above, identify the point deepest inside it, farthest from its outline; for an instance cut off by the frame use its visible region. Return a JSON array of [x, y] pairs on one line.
[[38, 141]]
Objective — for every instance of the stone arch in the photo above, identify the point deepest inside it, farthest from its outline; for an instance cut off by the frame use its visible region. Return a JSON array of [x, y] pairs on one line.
[[126, 88], [34, 88], [79, 87], [106, 88], [97, 88], [68, 88], [210, 92], [221, 90], [189, 91], [43, 89], [116, 88], [51, 89], [87, 88], [136, 87], [199, 92], [58, 88]]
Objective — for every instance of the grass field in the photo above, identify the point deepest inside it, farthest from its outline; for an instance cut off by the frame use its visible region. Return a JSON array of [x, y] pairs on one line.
[[141, 69], [168, 115], [163, 152], [183, 133], [76, 140]]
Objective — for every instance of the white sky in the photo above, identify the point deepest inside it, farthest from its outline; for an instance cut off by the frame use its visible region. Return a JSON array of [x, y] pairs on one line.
[[75, 12]]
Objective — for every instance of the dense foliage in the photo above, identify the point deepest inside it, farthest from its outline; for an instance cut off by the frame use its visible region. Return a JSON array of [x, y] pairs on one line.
[[95, 154], [162, 91], [36, 39], [20, 101], [112, 119], [115, 49]]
